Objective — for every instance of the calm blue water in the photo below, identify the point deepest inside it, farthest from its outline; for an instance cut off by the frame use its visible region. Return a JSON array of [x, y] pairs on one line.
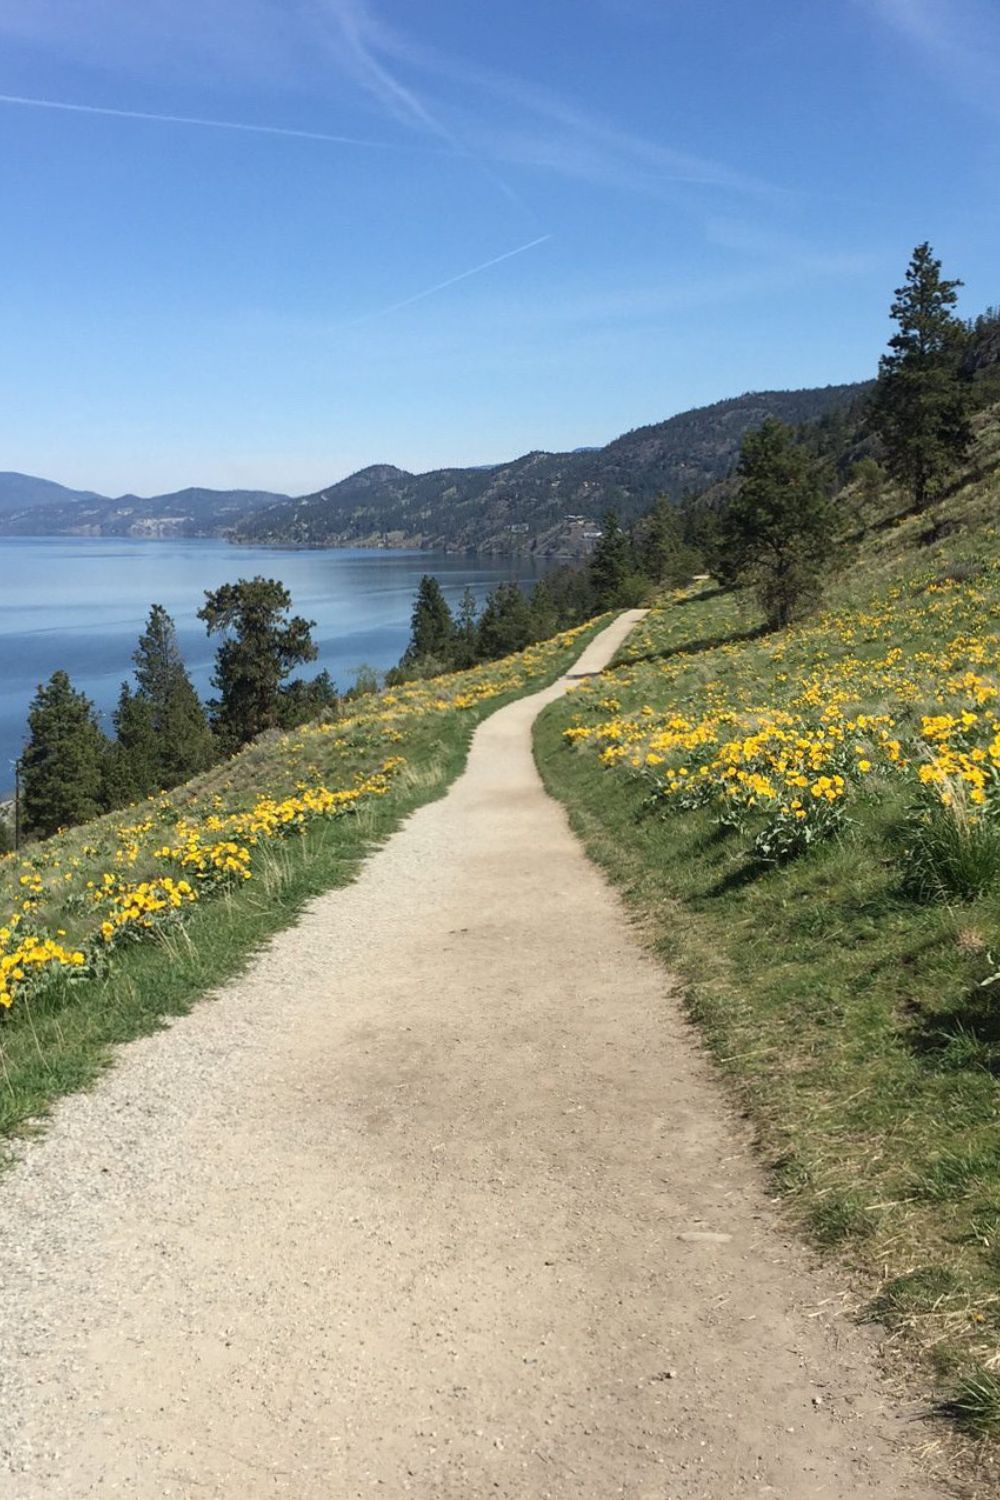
[[79, 603]]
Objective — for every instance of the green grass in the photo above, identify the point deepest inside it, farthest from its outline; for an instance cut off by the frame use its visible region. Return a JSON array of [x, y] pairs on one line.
[[845, 993], [60, 1039]]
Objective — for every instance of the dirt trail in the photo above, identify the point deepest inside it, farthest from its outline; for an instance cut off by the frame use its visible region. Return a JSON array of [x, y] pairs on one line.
[[440, 1199]]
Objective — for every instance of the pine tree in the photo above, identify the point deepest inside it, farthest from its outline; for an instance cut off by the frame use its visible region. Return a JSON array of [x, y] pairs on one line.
[[302, 700], [62, 767], [261, 644], [132, 769], [920, 408], [432, 628], [544, 615], [183, 739], [663, 555], [611, 565], [505, 625], [466, 622], [777, 533]]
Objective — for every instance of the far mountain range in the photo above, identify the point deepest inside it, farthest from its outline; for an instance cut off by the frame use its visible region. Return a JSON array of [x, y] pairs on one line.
[[541, 502]]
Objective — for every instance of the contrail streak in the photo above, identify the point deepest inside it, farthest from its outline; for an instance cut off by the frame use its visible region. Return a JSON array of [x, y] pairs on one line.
[[452, 281], [282, 130]]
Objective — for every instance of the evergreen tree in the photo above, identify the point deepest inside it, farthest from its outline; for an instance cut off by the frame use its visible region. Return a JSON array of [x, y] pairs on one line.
[[183, 740], [777, 532], [132, 768], [432, 628], [920, 408], [466, 623], [261, 644], [662, 553], [570, 590], [544, 615], [62, 767], [300, 700], [610, 564], [505, 623]]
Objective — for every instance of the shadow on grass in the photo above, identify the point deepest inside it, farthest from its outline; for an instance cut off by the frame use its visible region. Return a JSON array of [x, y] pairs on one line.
[[966, 1036], [694, 648], [885, 523], [712, 592], [742, 876]]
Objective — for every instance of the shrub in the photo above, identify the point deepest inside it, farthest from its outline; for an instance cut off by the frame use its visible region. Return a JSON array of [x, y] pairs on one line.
[[951, 853], [975, 1406]]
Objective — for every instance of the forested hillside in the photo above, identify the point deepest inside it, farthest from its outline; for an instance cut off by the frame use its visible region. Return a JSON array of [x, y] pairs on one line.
[[541, 502], [37, 507]]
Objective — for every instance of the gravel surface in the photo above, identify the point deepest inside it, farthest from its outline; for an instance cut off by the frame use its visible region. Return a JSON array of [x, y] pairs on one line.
[[440, 1199]]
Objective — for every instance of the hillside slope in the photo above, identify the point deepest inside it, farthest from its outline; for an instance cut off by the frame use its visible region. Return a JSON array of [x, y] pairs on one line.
[[37, 507], [21, 492], [809, 823], [524, 505]]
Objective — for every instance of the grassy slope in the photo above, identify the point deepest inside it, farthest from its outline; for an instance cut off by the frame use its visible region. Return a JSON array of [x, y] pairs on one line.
[[848, 1011], [57, 1036]]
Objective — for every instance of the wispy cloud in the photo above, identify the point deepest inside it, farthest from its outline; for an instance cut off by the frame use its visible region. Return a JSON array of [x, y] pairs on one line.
[[957, 39], [511, 122], [224, 39], [440, 286], [67, 106], [360, 44], [494, 119], [786, 252]]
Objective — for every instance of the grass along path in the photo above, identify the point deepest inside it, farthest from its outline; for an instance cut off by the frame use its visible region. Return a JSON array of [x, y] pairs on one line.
[[252, 841], [437, 1199], [806, 824]]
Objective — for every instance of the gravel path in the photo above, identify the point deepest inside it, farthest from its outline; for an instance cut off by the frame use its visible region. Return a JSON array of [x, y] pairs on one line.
[[440, 1199]]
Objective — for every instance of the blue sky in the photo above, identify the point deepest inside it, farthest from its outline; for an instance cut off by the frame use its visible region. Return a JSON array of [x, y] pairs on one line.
[[670, 201]]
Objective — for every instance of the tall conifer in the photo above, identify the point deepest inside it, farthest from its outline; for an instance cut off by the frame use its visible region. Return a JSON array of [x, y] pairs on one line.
[[920, 408]]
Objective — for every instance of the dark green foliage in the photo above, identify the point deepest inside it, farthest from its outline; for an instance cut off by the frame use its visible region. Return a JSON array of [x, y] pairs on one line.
[[570, 590], [975, 1406], [505, 624], [6, 833], [432, 628], [544, 614], [612, 565], [981, 363], [950, 855], [162, 732], [62, 768], [466, 628], [777, 531], [301, 700], [661, 552], [920, 408], [182, 741], [132, 768], [261, 644], [476, 507]]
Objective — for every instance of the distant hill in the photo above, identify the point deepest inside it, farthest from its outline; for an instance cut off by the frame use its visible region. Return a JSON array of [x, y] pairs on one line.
[[37, 507], [541, 502], [19, 491], [546, 503]]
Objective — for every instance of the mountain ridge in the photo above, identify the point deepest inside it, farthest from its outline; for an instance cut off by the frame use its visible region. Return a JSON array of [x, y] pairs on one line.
[[543, 502]]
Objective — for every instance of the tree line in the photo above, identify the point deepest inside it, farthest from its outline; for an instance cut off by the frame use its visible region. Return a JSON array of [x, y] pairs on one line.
[[777, 527], [625, 566], [773, 527], [71, 771]]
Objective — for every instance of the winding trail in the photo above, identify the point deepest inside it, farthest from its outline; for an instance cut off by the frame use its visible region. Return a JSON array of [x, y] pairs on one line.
[[439, 1199]]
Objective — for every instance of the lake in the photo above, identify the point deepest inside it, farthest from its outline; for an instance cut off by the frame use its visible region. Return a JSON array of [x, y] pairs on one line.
[[79, 603]]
